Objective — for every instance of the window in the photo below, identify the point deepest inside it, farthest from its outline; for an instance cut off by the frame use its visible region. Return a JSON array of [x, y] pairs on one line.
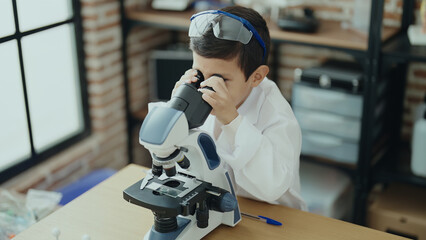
[[43, 95]]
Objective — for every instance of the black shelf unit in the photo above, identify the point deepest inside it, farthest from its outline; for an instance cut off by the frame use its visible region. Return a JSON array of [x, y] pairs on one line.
[[396, 168], [398, 52], [398, 173], [400, 49], [375, 60]]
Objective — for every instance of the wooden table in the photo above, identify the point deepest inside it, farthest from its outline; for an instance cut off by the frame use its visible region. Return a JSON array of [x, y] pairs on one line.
[[103, 214]]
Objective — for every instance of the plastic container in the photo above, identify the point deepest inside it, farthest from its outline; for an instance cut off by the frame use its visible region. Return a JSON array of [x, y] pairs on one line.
[[333, 124], [331, 101], [326, 191], [420, 110], [331, 147], [361, 17], [418, 155]]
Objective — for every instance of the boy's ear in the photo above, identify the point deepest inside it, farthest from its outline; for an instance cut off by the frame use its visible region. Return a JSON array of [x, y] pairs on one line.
[[258, 75]]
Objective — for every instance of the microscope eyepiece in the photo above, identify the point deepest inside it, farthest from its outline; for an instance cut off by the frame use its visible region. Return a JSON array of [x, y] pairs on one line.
[[189, 100], [200, 77]]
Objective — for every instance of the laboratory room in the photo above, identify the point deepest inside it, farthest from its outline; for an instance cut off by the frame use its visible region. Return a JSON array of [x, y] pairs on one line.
[[212, 119]]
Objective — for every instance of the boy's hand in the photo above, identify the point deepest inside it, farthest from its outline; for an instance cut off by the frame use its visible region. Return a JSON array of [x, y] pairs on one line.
[[188, 77], [223, 106]]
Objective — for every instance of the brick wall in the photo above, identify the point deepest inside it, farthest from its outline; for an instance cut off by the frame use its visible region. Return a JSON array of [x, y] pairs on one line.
[[140, 43]]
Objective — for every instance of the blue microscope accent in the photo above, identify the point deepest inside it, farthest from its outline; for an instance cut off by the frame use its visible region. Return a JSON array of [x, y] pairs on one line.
[[208, 148], [237, 215]]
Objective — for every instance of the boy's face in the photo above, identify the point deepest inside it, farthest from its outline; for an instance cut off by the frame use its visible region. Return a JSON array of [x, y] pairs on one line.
[[235, 81]]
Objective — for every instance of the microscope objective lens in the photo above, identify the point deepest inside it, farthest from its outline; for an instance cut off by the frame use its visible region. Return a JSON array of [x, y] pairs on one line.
[[184, 163], [170, 171]]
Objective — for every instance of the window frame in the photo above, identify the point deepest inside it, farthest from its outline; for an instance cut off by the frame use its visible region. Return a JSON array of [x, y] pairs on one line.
[[37, 158]]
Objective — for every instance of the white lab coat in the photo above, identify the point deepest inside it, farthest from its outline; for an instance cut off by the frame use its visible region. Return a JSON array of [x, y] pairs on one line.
[[261, 147]]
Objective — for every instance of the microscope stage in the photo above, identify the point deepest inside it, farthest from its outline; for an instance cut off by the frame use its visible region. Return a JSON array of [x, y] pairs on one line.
[[171, 196]]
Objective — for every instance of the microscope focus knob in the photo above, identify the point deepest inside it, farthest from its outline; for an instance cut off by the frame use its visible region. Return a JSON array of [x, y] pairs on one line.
[[228, 202], [202, 215], [224, 202]]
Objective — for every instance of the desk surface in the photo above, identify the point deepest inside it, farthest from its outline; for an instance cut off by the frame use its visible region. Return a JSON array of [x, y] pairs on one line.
[[329, 33], [103, 214]]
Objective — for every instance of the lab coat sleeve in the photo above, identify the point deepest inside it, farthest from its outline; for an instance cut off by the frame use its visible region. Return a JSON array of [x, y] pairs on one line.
[[264, 161]]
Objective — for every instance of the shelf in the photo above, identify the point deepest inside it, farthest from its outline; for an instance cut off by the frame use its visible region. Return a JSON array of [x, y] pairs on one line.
[[329, 34], [345, 167], [163, 19], [400, 48], [398, 170], [401, 174]]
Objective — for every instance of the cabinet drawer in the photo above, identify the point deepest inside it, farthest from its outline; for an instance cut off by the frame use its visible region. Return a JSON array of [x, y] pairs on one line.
[[333, 124], [327, 146], [327, 100]]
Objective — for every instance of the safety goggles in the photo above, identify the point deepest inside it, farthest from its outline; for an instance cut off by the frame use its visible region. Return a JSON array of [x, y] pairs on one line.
[[225, 26]]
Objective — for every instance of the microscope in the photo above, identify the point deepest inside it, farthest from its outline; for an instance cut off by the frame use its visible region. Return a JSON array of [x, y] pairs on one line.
[[188, 189]]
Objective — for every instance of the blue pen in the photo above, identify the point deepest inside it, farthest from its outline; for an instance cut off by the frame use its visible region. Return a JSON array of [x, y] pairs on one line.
[[262, 219]]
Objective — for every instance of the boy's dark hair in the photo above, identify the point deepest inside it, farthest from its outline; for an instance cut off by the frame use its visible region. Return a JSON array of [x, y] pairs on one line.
[[250, 54]]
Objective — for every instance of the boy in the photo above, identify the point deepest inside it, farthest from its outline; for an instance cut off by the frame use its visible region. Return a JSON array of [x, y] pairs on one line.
[[254, 127]]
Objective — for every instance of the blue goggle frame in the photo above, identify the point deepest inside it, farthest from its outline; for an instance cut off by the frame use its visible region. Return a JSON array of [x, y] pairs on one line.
[[245, 23]]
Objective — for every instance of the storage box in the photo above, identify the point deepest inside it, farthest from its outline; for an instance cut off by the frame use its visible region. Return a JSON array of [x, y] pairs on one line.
[[401, 210], [332, 124], [326, 190], [342, 103], [328, 104], [327, 146], [333, 74]]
